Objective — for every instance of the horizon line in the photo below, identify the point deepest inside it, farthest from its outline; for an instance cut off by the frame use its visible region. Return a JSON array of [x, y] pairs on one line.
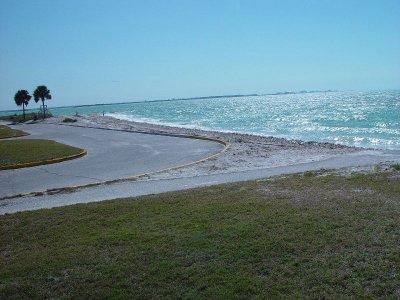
[[189, 98]]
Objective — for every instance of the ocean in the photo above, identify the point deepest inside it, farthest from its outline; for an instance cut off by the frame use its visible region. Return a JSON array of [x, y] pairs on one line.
[[366, 119]]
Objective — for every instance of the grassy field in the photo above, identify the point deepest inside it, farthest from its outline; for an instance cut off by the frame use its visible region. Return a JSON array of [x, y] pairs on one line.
[[7, 132], [311, 236], [23, 151]]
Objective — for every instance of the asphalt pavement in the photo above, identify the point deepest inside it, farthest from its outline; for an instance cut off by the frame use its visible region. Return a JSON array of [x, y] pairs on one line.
[[146, 187], [110, 155]]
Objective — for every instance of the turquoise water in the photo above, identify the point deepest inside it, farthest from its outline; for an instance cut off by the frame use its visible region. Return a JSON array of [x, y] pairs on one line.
[[367, 119]]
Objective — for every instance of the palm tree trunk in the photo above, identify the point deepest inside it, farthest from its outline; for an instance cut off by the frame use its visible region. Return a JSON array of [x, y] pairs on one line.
[[23, 109], [44, 113]]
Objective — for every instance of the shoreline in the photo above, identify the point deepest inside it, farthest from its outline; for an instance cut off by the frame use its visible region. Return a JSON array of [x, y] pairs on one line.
[[170, 126], [246, 152], [117, 123]]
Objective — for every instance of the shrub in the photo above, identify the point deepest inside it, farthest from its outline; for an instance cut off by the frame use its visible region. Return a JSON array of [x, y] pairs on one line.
[[69, 120], [396, 167]]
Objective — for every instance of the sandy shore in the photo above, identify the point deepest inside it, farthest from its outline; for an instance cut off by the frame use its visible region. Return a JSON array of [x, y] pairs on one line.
[[246, 152]]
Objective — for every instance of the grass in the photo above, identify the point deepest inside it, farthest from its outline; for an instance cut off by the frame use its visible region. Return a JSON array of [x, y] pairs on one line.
[[396, 167], [20, 118], [325, 237], [7, 132], [24, 151]]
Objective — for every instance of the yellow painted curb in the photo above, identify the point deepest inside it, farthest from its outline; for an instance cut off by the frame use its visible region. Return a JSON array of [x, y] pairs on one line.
[[135, 177], [131, 178], [44, 162], [226, 146]]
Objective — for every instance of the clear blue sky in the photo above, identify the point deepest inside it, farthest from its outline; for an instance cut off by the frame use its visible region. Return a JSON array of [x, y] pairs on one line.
[[97, 51]]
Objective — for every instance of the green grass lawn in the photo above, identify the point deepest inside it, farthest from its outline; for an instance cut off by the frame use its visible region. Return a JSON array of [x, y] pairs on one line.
[[325, 237], [7, 132], [23, 151]]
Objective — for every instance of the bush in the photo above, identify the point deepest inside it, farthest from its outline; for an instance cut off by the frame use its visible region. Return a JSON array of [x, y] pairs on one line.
[[69, 120], [396, 167]]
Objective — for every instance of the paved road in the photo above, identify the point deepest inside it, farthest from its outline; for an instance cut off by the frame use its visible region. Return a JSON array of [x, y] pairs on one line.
[[111, 155], [145, 187]]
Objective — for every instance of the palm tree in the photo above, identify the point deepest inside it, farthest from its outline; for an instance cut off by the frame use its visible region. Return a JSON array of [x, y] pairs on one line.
[[42, 93], [22, 97]]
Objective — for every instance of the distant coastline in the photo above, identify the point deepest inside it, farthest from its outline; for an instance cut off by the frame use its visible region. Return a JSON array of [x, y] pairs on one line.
[[206, 97], [190, 98], [300, 92]]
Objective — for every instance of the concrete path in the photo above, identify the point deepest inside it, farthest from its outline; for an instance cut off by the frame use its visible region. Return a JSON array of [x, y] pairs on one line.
[[111, 155], [145, 187]]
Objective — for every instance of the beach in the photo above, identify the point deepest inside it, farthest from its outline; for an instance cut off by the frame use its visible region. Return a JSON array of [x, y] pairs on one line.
[[244, 152]]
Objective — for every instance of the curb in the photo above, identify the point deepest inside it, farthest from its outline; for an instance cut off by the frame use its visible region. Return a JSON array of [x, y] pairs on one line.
[[45, 162], [130, 178]]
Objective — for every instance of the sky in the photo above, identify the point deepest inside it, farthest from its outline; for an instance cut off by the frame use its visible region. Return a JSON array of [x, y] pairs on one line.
[[104, 51]]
